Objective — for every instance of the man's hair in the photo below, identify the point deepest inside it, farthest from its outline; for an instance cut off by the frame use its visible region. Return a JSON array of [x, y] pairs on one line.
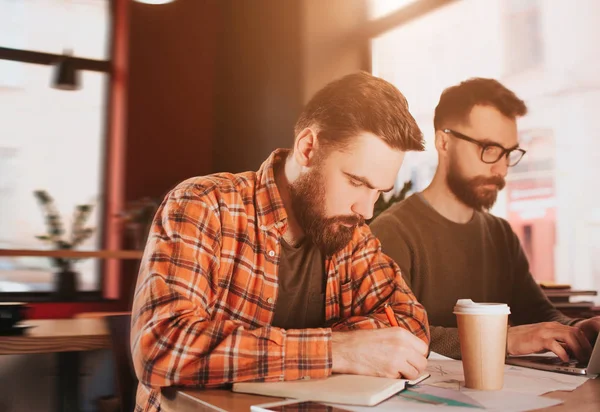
[[359, 103], [456, 102]]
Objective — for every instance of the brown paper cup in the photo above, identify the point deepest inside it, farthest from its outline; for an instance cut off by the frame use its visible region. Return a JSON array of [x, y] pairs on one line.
[[483, 347]]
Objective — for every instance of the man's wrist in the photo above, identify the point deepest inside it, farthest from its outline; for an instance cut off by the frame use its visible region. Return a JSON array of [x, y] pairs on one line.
[[339, 342]]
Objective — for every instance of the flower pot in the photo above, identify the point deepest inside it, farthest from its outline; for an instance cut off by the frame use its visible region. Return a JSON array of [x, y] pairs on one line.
[[65, 285]]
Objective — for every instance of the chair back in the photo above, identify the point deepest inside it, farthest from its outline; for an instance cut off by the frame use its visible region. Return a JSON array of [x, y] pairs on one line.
[[120, 327]]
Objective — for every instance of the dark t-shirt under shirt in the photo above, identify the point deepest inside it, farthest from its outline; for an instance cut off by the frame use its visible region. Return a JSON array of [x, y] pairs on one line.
[[301, 292]]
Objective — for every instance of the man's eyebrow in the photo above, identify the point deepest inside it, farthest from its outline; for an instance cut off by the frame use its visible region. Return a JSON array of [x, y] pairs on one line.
[[366, 182], [491, 142]]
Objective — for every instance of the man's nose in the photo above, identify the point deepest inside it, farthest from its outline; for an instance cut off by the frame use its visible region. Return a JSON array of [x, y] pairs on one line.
[[364, 206], [500, 168]]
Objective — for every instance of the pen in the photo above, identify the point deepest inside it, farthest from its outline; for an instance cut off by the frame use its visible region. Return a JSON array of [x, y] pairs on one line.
[[390, 315]]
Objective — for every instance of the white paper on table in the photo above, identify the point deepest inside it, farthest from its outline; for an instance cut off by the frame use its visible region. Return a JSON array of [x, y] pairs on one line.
[[500, 401], [437, 356], [448, 373], [510, 401], [520, 393], [396, 403]]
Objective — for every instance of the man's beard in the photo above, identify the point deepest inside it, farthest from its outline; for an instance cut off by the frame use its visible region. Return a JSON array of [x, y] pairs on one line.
[[472, 192], [308, 204]]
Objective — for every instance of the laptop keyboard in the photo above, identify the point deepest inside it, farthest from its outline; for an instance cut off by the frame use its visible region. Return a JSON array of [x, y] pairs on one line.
[[572, 363]]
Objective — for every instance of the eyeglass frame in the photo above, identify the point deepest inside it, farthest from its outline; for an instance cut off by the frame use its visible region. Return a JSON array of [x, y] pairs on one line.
[[505, 152]]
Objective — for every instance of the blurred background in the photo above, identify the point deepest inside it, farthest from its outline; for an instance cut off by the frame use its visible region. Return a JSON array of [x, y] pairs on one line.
[[544, 51], [192, 87], [106, 105]]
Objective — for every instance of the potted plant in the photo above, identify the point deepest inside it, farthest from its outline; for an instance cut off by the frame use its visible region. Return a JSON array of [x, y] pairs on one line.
[[137, 218], [66, 277]]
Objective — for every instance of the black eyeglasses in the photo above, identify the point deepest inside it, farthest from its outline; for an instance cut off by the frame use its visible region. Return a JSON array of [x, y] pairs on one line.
[[492, 152]]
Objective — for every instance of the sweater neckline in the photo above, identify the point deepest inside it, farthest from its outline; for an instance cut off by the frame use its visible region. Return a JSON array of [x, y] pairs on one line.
[[430, 211]]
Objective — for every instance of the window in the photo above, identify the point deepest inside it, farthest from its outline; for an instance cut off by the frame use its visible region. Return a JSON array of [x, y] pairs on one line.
[[52, 26], [50, 139], [381, 8], [11, 15], [550, 199], [524, 49]]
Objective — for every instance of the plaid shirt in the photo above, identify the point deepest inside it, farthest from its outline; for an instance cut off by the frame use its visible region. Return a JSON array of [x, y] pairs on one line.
[[207, 288]]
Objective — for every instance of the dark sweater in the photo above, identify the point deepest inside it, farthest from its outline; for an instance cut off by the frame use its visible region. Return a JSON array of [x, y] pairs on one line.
[[443, 261]]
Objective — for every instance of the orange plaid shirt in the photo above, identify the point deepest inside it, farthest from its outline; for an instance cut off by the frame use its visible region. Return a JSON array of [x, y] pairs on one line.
[[207, 288]]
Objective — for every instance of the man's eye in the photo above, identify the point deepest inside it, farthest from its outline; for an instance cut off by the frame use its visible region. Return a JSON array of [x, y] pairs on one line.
[[492, 151], [355, 183]]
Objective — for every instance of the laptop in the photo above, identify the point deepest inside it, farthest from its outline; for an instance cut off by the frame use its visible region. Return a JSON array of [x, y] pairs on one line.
[[555, 364]]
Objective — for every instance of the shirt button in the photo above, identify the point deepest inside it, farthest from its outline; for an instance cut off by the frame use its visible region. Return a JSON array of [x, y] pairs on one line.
[[269, 300], [271, 253]]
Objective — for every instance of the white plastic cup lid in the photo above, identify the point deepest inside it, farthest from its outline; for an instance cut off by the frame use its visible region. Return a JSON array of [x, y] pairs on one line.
[[468, 307]]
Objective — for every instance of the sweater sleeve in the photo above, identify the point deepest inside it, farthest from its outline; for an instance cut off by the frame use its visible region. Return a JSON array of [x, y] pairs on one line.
[[529, 304], [388, 230], [445, 341]]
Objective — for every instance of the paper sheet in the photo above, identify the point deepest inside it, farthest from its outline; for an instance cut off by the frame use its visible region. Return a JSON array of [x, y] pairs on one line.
[[448, 373], [500, 401], [522, 387], [440, 396]]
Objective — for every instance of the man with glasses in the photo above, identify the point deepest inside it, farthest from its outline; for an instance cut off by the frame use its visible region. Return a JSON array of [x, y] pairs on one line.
[[448, 246]]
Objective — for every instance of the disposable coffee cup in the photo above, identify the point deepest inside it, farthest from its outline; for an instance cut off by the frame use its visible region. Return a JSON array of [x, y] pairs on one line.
[[482, 331]]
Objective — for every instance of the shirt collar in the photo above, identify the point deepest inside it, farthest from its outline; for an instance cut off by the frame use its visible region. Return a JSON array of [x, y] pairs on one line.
[[269, 206]]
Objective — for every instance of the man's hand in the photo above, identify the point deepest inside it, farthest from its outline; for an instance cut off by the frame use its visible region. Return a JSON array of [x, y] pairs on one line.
[[590, 328], [390, 352], [552, 336]]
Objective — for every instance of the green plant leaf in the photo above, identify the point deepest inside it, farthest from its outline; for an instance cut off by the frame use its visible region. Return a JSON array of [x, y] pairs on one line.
[[55, 228]]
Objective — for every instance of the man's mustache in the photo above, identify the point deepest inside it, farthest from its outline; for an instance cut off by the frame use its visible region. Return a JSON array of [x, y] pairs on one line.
[[351, 220], [493, 180]]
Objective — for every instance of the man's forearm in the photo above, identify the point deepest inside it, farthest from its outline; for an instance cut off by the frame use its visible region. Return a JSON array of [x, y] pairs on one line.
[[193, 353]]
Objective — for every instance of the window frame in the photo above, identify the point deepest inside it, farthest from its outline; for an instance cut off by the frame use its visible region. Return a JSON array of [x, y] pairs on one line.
[[83, 64]]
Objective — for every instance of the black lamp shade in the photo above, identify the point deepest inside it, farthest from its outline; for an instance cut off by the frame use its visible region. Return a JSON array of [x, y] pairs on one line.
[[66, 76]]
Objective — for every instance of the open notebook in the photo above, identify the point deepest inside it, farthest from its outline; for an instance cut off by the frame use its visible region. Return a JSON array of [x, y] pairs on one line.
[[338, 388]]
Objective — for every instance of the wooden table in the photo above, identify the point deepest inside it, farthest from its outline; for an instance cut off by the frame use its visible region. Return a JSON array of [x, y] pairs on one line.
[[66, 338], [583, 399], [58, 335]]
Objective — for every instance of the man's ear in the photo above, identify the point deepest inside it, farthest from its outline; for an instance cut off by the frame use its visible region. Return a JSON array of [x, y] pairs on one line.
[[442, 142], [305, 146]]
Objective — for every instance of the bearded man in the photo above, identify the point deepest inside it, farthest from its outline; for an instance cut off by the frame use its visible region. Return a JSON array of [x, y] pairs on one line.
[[448, 247], [273, 275]]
